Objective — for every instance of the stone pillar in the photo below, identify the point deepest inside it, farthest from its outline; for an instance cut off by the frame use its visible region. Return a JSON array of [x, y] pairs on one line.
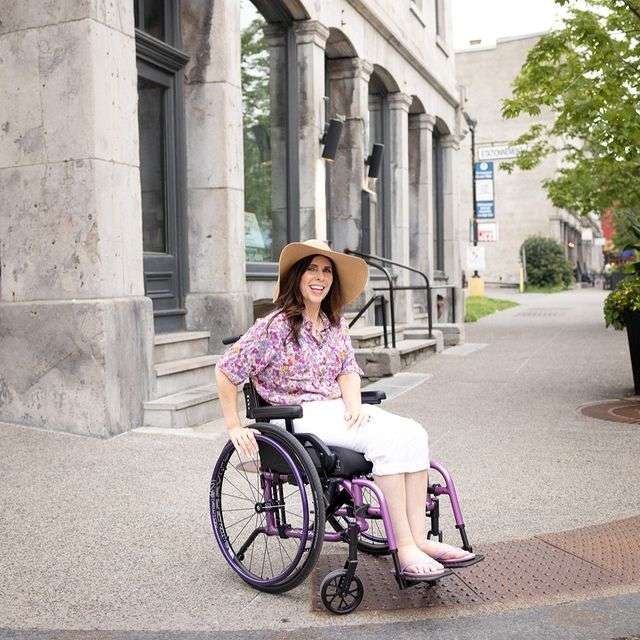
[[76, 331], [311, 37], [421, 194], [452, 258], [398, 150], [216, 298], [349, 91]]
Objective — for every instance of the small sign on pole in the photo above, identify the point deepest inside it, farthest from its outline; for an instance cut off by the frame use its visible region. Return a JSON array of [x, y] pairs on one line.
[[475, 258]]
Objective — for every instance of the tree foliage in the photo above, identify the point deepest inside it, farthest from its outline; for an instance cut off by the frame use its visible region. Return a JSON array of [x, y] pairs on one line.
[[588, 75]]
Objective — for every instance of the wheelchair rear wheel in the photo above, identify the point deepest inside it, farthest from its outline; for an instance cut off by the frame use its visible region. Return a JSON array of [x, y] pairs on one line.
[[267, 512]]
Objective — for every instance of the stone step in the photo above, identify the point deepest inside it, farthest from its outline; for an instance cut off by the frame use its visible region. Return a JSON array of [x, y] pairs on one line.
[[179, 346], [179, 375], [453, 333], [188, 408], [422, 333], [378, 362], [365, 337], [350, 315]]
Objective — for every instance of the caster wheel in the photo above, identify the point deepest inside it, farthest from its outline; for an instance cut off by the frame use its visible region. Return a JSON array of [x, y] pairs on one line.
[[339, 597]]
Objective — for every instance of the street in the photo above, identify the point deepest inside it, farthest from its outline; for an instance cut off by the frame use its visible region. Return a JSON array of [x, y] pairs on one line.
[[113, 536]]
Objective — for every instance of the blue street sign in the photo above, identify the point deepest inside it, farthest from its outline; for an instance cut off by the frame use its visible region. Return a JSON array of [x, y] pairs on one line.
[[486, 210], [483, 170]]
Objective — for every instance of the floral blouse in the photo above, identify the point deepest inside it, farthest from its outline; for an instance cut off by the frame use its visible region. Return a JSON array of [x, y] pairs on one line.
[[284, 372]]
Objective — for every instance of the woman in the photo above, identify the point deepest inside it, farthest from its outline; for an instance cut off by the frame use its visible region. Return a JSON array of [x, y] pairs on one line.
[[302, 354]]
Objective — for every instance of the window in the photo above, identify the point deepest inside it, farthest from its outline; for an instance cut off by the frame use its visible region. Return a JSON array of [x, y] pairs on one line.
[[269, 128], [438, 201], [439, 12], [379, 132]]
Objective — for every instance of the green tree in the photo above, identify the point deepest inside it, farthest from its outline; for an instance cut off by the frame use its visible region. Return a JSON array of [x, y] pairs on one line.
[[588, 75]]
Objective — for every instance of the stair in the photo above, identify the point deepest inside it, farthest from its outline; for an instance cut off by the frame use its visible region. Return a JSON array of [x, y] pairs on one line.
[[185, 391], [377, 362]]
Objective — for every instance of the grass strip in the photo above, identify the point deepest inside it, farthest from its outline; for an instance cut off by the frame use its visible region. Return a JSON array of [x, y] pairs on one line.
[[477, 307]]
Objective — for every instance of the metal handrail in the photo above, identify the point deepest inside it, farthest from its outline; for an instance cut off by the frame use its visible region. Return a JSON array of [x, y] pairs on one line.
[[391, 303], [368, 257], [372, 299]]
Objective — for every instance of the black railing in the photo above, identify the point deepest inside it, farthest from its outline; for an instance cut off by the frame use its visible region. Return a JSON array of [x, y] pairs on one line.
[[372, 259], [392, 309]]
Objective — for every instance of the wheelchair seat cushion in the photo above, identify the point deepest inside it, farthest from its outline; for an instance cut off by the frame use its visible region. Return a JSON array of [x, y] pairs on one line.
[[350, 463]]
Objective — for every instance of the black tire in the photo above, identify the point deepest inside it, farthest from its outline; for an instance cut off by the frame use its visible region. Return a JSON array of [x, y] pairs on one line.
[[230, 477], [338, 597]]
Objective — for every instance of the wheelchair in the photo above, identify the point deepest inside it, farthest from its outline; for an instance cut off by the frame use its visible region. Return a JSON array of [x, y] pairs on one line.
[[271, 514]]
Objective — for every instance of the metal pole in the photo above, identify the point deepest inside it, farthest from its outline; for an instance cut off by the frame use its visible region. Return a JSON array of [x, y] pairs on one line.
[[472, 126]]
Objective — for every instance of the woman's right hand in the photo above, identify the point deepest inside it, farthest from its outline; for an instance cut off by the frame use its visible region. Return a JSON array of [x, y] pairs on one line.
[[244, 440]]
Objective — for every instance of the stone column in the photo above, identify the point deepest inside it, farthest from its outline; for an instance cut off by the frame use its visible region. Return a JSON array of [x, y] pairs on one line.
[[216, 298], [398, 150], [76, 331], [452, 258], [421, 195], [349, 91], [311, 37]]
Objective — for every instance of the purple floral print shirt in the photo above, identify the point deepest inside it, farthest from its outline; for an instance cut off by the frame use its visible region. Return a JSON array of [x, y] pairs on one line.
[[285, 373]]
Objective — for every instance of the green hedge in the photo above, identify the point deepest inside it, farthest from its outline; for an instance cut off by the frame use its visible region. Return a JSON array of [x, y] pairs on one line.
[[547, 266]]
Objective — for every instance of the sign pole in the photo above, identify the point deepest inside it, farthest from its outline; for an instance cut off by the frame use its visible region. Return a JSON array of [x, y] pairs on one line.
[[476, 283]]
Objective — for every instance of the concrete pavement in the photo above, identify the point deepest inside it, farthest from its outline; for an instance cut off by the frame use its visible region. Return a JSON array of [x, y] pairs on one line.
[[114, 535]]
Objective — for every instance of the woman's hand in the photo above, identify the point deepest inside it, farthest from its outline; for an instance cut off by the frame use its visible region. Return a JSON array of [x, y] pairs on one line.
[[244, 440], [356, 416]]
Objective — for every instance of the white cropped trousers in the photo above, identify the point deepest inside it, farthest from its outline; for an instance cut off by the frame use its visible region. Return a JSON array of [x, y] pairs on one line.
[[393, 444]]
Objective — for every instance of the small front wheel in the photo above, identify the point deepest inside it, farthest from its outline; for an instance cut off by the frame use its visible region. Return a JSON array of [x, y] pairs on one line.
[[338, 596]]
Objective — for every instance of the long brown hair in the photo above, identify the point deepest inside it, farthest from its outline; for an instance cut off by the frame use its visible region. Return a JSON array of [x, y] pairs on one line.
[[291, 302]]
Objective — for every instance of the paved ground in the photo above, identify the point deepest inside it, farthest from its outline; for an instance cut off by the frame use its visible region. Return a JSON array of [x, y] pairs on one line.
[[113, 536]]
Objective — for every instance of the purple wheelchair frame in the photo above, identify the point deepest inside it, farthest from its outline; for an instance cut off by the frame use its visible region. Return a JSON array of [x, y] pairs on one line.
[[354, 487]]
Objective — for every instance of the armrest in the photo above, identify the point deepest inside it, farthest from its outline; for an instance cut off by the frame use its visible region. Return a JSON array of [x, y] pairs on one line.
[[276, 412], [372, 397]]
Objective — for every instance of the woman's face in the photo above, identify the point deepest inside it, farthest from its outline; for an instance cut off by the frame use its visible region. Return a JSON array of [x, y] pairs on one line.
[[316, 281]]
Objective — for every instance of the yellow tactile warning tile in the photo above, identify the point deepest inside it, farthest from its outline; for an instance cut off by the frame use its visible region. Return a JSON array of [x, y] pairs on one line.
[[514, 573]]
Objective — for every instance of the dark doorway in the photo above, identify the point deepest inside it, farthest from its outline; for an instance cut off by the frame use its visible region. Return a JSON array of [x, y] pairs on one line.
[[160, 126]]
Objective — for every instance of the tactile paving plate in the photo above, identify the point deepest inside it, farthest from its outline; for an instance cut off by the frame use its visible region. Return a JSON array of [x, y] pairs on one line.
[[381, 590], [512, 572], [614, 545], [627, 411]]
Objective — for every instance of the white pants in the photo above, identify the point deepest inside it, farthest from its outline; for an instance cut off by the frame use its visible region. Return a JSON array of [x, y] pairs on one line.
[[393, 444]]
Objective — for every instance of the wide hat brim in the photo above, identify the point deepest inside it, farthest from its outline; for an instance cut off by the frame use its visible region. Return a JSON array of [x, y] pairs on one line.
[[353, 272]]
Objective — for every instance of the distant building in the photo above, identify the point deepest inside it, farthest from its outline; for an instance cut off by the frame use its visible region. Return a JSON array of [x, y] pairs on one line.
[[521, 207]]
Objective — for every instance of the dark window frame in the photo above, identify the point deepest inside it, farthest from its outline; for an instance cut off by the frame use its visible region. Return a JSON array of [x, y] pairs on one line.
[[437, 150], [274, 12]]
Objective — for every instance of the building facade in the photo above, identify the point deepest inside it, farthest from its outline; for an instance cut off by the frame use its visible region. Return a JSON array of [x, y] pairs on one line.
[[156, 155], [521, 207]]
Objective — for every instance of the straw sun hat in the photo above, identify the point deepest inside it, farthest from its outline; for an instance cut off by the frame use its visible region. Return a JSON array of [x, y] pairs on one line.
[[352, 271]]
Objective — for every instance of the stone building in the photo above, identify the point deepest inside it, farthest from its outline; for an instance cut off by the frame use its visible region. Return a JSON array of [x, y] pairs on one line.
[[521, 205], [155, 156]]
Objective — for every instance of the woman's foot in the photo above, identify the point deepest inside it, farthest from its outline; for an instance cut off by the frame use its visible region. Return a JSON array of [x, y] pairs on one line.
[[416, 563], [445, 553]]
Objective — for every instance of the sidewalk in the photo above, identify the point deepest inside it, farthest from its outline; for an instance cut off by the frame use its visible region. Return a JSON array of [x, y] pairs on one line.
[[115, 535]]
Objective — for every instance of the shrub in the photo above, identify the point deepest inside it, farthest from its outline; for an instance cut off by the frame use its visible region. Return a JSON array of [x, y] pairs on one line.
[[547, 266], [623, 300]]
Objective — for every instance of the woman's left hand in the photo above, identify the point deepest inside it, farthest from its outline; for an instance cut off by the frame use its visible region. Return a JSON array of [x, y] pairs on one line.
[[356, 416]]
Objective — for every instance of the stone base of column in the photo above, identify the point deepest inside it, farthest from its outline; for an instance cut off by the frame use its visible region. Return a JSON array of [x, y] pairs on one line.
[[79, 366], [222, 314]]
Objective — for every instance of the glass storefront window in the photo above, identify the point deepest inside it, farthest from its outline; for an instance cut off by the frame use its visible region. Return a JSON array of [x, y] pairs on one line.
[[264, 125]]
